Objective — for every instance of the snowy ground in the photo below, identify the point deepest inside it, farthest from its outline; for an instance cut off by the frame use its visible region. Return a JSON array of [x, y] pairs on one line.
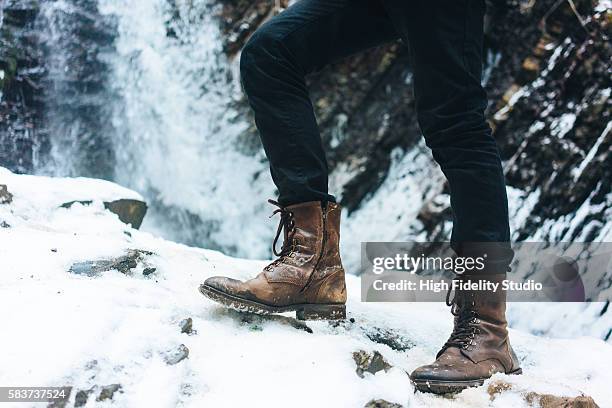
[[60, 328]]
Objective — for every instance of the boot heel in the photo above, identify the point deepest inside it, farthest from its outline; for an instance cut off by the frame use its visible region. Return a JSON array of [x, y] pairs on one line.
[[321, 312]]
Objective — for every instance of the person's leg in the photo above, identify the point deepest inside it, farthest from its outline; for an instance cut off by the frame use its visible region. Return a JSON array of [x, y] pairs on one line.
[[302, 39], [308, 276], [446, 37], [446, 41]]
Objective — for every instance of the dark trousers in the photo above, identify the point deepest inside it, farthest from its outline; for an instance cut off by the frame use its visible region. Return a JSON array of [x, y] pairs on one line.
[[445, 39]]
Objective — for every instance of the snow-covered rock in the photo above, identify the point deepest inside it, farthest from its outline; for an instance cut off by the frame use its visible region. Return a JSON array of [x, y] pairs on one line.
[[33, 194], [123, 336]]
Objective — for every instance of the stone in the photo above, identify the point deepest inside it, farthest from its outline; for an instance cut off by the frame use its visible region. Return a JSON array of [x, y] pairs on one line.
[[381, 403], [543, 400], [80, 399], [5, 196], [554, 401], [389, 338], [108, 391], [148, 271], [186, 325], [129, 211], [123, 264], [369, 362], [176, 355]]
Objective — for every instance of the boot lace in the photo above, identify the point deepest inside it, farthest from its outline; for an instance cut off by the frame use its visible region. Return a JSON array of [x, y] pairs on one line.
[[286, 224], [466, 325]]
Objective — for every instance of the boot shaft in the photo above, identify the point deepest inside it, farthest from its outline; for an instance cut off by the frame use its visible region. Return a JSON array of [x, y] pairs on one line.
[[313, 231]]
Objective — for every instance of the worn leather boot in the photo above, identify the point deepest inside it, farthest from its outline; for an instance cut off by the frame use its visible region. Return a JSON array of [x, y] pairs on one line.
[[307, 277], [478, 346]]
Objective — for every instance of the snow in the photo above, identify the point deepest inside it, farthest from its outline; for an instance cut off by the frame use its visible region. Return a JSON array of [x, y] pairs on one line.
[[61, 328], [54, 191], [591, 154]]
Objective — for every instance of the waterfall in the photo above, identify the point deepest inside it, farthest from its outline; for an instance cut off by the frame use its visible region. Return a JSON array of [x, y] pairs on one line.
[[76, 43], [178, 138], [157, 117]]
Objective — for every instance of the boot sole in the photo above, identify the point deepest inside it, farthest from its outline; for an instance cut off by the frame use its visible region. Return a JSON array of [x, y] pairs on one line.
[[451, 387], [303, 311]]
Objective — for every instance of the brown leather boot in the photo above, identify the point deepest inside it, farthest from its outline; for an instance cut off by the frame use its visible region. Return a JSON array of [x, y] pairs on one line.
[[307, 277], [478, 346]]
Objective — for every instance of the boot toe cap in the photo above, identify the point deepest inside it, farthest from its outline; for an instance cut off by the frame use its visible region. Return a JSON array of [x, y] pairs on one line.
[[443, 373], [222, 284]]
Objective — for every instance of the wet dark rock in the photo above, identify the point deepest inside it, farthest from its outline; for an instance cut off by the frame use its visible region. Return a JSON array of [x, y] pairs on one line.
[[176, 355], [369, 362], [129, 211], [4, 224], [381, 403], [123, 264], [394, 340], [186, 325], [108, 391], [81, 397], [5, 196], [148, 271]]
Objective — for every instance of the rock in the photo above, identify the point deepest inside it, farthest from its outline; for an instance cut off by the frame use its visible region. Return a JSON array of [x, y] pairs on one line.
[[123, 264], [5, 224], [175, 356], [108, 391], [381, 403], [369, 362], [5, 196], [543, 400], [186, 325], [148, 271], [80, 399], [553, 401], [388, 337], [129, 211]]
